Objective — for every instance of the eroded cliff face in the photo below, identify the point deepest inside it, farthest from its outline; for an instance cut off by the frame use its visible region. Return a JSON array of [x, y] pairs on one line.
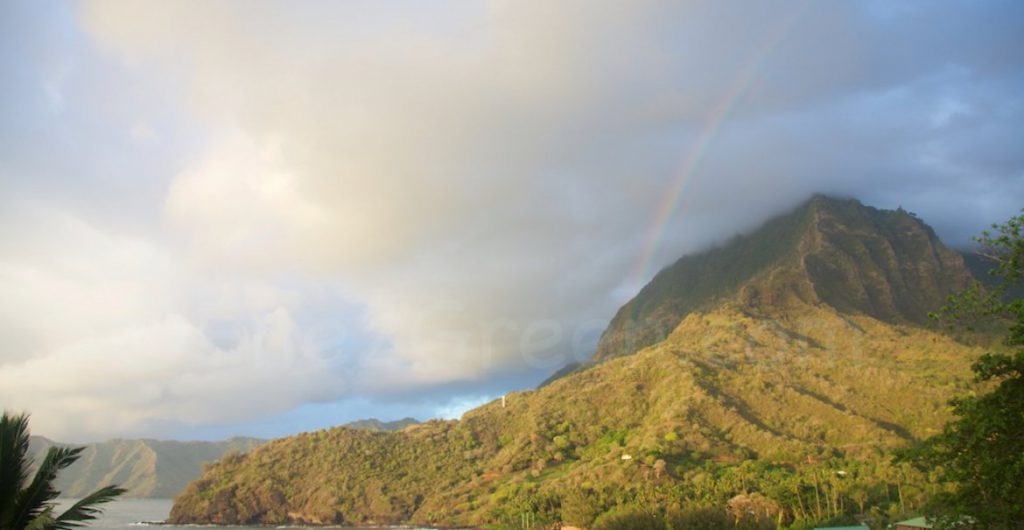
[[856, 259], [886, 264], [146, 468]]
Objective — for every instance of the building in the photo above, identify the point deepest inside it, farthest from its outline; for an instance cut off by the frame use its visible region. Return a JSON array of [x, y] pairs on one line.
[[913, 524], [917, 523]]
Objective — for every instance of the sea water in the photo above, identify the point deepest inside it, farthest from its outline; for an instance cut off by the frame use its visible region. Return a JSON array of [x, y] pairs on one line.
[[134, 514], [123, 514]]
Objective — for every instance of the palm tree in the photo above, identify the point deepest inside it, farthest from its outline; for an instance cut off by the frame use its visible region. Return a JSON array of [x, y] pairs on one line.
[[28, 505]]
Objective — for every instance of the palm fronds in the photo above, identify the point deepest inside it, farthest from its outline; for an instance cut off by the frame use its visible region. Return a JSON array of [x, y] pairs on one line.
[[31, 507], [43, 521], [14, 463], [40, 493], [87, 508]]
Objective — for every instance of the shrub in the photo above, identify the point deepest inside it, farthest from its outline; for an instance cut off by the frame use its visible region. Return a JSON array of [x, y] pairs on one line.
[[580, 508], [630, 518]]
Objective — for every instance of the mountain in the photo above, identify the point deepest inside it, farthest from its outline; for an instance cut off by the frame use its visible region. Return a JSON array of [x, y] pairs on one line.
[[856, 259], [147, 468], [769, 376], [157, 468], [568, 369], [373, 424]]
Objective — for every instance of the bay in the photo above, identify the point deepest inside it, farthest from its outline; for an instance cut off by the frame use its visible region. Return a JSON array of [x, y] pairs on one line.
[[135, 514], [125, 514]]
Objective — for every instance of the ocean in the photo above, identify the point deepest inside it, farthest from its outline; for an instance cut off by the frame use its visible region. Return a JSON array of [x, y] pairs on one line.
[[135, 514], [125, 514]]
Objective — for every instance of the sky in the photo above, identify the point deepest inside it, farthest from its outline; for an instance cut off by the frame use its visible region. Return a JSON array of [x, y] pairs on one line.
[[265, 217]]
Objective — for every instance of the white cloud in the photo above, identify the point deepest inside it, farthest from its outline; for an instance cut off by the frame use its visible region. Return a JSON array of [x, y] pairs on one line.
[[104, 333], [380, 198], [458, 406], [142, 133], [61, 279]]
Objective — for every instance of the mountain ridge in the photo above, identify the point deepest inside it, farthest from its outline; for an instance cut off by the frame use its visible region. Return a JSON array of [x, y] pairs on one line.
[[774, 374], [373, 424], [837, 252], [153, 468], [147, 468], [688, 407]]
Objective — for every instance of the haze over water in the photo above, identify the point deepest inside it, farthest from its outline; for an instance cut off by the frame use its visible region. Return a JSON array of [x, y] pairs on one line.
[[127, 513], [132, 514]]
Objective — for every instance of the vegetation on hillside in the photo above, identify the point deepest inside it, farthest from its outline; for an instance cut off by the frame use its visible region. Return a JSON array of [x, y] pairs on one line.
[[690, 425], [775, 398], [158, 469], [981, 453], [856, 259], [373, 424], [144, 468], [30, 504], [697, 281]]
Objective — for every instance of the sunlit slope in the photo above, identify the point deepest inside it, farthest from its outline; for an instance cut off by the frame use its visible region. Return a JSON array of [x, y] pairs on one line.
[[856, 259], [726, 386], [158, 468], [797, 350]]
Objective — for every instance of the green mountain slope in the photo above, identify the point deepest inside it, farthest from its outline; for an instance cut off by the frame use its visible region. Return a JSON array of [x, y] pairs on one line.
[[794, 363], [157, 468], [373, 424], [147, 468], [856, 259], [725, 389]]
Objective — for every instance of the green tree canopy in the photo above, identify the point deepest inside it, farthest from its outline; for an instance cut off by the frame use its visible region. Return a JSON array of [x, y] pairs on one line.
[[30, 505], [981, 452]]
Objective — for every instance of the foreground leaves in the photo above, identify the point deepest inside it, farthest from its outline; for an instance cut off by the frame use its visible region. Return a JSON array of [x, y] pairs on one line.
[[981, 453], [28, 505]]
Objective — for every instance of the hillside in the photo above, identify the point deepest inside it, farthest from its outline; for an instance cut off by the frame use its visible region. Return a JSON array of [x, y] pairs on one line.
[[853, 258], [158, 469], [725, 389], [795, 362], [373, 424], [147, 468]]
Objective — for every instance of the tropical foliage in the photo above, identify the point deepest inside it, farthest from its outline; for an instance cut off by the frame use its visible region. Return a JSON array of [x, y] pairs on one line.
[[773, 399], [883, 263], [30, 504], [981, 453], [686, 429]]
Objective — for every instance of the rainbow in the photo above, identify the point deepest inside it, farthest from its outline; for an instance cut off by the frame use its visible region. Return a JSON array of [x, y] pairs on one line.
[[674, 196]]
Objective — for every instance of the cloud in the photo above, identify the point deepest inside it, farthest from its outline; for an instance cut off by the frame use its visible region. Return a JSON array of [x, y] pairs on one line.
[[457, 407], [377, 201], [103, 335]]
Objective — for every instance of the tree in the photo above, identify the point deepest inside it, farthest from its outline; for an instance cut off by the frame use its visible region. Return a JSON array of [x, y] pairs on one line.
[[580, 507], [981, 452], [29, 505]]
